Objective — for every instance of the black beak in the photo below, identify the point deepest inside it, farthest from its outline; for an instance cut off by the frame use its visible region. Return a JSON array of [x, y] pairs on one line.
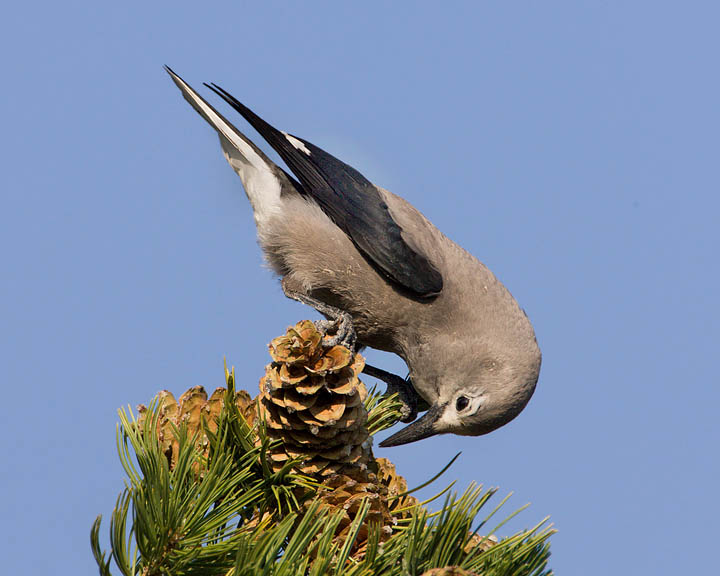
[[424, 427]]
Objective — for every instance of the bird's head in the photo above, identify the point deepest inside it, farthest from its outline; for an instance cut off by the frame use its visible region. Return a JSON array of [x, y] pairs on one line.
[[474, 396]]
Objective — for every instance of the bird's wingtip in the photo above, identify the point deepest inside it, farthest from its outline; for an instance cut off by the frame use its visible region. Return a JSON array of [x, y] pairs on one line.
[[172, 73]]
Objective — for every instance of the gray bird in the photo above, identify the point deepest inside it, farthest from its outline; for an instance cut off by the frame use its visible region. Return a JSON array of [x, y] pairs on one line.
[[381, 272]]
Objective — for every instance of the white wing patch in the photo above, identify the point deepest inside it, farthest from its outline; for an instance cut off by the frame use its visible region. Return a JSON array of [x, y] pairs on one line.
[[261, 185], [297, 144]]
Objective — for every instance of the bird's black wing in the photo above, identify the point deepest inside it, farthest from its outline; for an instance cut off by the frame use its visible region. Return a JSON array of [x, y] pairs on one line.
[[352, 202]]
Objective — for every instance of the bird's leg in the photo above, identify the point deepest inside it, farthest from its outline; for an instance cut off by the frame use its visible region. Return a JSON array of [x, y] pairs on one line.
[[339, 322], [404, 388]]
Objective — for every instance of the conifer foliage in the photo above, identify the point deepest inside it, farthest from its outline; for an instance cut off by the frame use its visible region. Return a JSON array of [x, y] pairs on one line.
[[287, 485]]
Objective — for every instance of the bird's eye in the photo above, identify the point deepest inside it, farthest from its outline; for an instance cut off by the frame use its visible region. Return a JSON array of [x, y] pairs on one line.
[[461, 403]]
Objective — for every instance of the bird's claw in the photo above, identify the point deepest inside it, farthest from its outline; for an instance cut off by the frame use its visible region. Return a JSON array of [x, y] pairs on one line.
[[408, 410], [409, 399], [338, 331]]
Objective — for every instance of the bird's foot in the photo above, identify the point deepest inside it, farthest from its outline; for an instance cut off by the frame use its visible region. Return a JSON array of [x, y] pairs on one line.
[[338, 329], [404, 388]]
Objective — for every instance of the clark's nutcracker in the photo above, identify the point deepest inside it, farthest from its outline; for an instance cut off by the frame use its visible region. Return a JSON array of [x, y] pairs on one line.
[[368, 260]]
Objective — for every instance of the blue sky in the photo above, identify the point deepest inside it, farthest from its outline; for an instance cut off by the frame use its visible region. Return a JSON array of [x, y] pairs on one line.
[[571, 146]]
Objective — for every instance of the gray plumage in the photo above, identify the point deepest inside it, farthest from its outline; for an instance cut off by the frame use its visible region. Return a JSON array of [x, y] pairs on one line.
[[344, 243]]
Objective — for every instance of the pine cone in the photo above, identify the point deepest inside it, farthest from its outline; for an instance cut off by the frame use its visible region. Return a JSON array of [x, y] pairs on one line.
[[449, 571], [484, 543], [346, 492], [312, 400], [399, 506], [198, 412]]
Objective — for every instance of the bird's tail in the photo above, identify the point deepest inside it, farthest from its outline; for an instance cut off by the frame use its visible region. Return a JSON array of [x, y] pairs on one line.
[[263, 179]]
